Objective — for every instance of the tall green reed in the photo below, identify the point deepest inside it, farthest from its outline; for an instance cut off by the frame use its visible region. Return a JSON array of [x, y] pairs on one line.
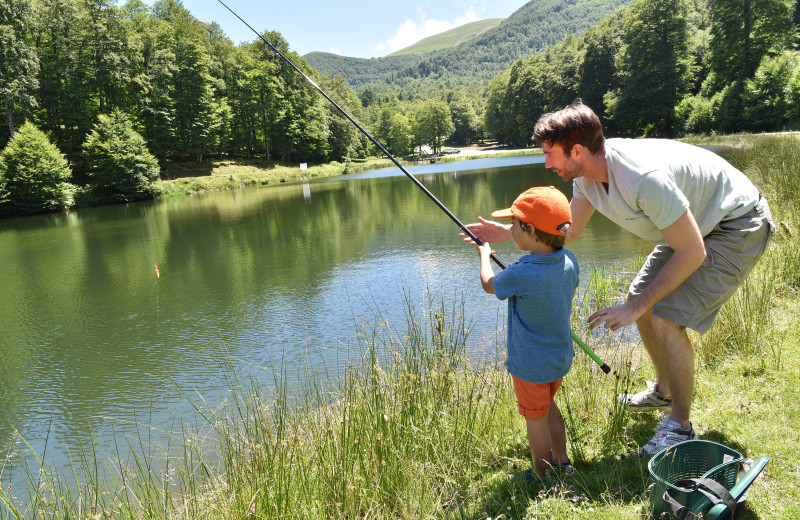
[[589, 397]]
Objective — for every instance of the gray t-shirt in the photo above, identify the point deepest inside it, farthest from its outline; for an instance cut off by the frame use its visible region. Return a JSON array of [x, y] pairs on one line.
[[652, 182]]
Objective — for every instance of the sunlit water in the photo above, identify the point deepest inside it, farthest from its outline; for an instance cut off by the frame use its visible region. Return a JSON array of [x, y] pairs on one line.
[[94, 342]]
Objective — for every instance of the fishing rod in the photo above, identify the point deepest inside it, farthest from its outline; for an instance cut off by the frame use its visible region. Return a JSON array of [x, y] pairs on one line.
[[391, 157]]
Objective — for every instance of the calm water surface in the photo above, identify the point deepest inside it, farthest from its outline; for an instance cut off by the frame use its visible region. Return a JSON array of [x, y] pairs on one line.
[[281, 275]]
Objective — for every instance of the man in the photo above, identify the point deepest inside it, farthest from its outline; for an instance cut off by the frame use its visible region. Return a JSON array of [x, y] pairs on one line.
[[708, 221]]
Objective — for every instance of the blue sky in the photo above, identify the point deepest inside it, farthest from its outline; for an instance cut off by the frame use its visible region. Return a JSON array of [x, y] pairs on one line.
[[357, 28]]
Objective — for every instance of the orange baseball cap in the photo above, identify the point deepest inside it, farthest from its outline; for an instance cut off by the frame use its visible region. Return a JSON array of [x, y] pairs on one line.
[[543, 206]]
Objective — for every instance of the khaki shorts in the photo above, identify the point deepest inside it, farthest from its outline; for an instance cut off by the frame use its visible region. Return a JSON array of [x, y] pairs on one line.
[[732, 249]]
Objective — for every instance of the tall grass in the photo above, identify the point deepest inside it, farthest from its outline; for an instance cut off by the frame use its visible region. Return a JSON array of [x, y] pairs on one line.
[[744, 325]]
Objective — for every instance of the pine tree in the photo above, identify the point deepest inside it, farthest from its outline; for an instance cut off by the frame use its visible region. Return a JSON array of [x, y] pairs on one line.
[[118, 160], [33, 175]]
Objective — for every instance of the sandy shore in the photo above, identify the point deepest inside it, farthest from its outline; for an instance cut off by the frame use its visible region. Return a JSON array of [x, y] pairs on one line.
[[479, 149]]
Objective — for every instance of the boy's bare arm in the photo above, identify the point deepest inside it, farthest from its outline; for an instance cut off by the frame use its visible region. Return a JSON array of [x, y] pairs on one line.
[[487, 274]]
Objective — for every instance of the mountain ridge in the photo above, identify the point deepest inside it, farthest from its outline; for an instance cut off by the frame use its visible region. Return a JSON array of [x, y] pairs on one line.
[[529, 30], [451, 38]]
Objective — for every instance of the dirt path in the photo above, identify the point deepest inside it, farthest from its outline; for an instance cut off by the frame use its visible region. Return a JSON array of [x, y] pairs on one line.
[[479, 149]]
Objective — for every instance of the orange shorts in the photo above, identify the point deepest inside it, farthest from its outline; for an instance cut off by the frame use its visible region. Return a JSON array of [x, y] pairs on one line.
[[534, 399]]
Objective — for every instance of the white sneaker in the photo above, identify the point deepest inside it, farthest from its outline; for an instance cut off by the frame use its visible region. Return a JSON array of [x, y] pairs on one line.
[[647, 400], [668, 433]]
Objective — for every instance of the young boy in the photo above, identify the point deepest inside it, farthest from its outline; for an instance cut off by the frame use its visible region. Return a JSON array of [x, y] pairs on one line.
[[539, 288]]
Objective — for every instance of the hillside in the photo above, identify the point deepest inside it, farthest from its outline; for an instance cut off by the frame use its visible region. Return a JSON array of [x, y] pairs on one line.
[[531, 29], [360, 71], [450, 38]]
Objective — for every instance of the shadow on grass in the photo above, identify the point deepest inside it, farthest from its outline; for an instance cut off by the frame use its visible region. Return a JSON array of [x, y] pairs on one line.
[[617, 476], [607, 480]]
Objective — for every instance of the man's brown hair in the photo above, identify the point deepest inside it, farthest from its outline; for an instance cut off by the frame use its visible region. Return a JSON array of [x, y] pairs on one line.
[[573, 124]]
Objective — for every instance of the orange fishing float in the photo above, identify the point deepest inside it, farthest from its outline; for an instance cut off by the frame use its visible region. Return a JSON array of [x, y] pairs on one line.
[[158, 273]]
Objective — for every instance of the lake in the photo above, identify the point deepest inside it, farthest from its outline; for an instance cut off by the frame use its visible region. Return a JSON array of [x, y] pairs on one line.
[[95, 343]]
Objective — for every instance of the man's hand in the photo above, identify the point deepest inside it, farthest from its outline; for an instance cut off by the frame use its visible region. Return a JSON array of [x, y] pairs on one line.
[[616, 317], [488, 231]]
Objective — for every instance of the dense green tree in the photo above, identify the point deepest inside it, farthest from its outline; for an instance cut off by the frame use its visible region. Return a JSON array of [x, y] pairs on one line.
[[383, 126], [66, 95], [400, 135], [118, 160], [600, 45], [496, 111], [528, 98], [743, 32], [253, 91], [656, 67], [343, 136], [545, 82], [465, 121], [155, 102], [151, 72], [192, 93], [697, 115], [796, 23], [727, 106], [765, 94], [18, 62], [33, 175], [793, 99], [110, 78], [434, 123], [305, 129]]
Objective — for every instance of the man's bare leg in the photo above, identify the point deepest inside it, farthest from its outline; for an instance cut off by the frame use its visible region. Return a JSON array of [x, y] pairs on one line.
[[655, 349], [678, 358]]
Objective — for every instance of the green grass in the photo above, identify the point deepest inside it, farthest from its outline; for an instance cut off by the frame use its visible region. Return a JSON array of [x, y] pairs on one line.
[[242, 173], [450, 38], [414, 429]]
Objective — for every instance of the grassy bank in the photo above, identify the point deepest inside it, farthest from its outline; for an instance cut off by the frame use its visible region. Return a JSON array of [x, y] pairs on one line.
[[415, 429], [188, 178]]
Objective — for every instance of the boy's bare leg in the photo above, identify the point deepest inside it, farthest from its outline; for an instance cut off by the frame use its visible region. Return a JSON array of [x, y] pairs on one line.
[[558, 434], [539, 443]]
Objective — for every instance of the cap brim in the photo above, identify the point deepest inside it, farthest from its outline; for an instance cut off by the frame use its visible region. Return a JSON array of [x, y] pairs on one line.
[[502, 213]]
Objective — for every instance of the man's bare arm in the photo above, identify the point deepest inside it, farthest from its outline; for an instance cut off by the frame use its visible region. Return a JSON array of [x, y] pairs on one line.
[[684, 238], [582, 211]]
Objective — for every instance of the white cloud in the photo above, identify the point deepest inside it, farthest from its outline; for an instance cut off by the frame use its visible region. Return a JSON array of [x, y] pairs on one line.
[[335, 51], [412, 31], [466, 18]]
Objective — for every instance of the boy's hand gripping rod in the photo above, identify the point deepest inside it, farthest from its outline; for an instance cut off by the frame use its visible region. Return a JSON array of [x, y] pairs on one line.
[[374, 141]]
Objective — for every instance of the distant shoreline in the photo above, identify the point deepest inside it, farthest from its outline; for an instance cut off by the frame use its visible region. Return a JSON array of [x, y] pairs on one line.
[[226, 174]]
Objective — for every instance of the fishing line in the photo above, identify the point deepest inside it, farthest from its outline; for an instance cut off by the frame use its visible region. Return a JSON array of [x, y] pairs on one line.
[[374, 141]]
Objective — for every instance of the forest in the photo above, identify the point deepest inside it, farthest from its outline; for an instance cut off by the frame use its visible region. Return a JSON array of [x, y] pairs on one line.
[[99, 98], [663, 68]]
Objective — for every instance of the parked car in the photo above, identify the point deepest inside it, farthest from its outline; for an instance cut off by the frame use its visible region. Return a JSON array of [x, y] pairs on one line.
[[451, 150]]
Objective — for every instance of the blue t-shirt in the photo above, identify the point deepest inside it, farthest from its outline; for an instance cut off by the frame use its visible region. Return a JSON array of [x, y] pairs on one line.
[[539, 289]]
